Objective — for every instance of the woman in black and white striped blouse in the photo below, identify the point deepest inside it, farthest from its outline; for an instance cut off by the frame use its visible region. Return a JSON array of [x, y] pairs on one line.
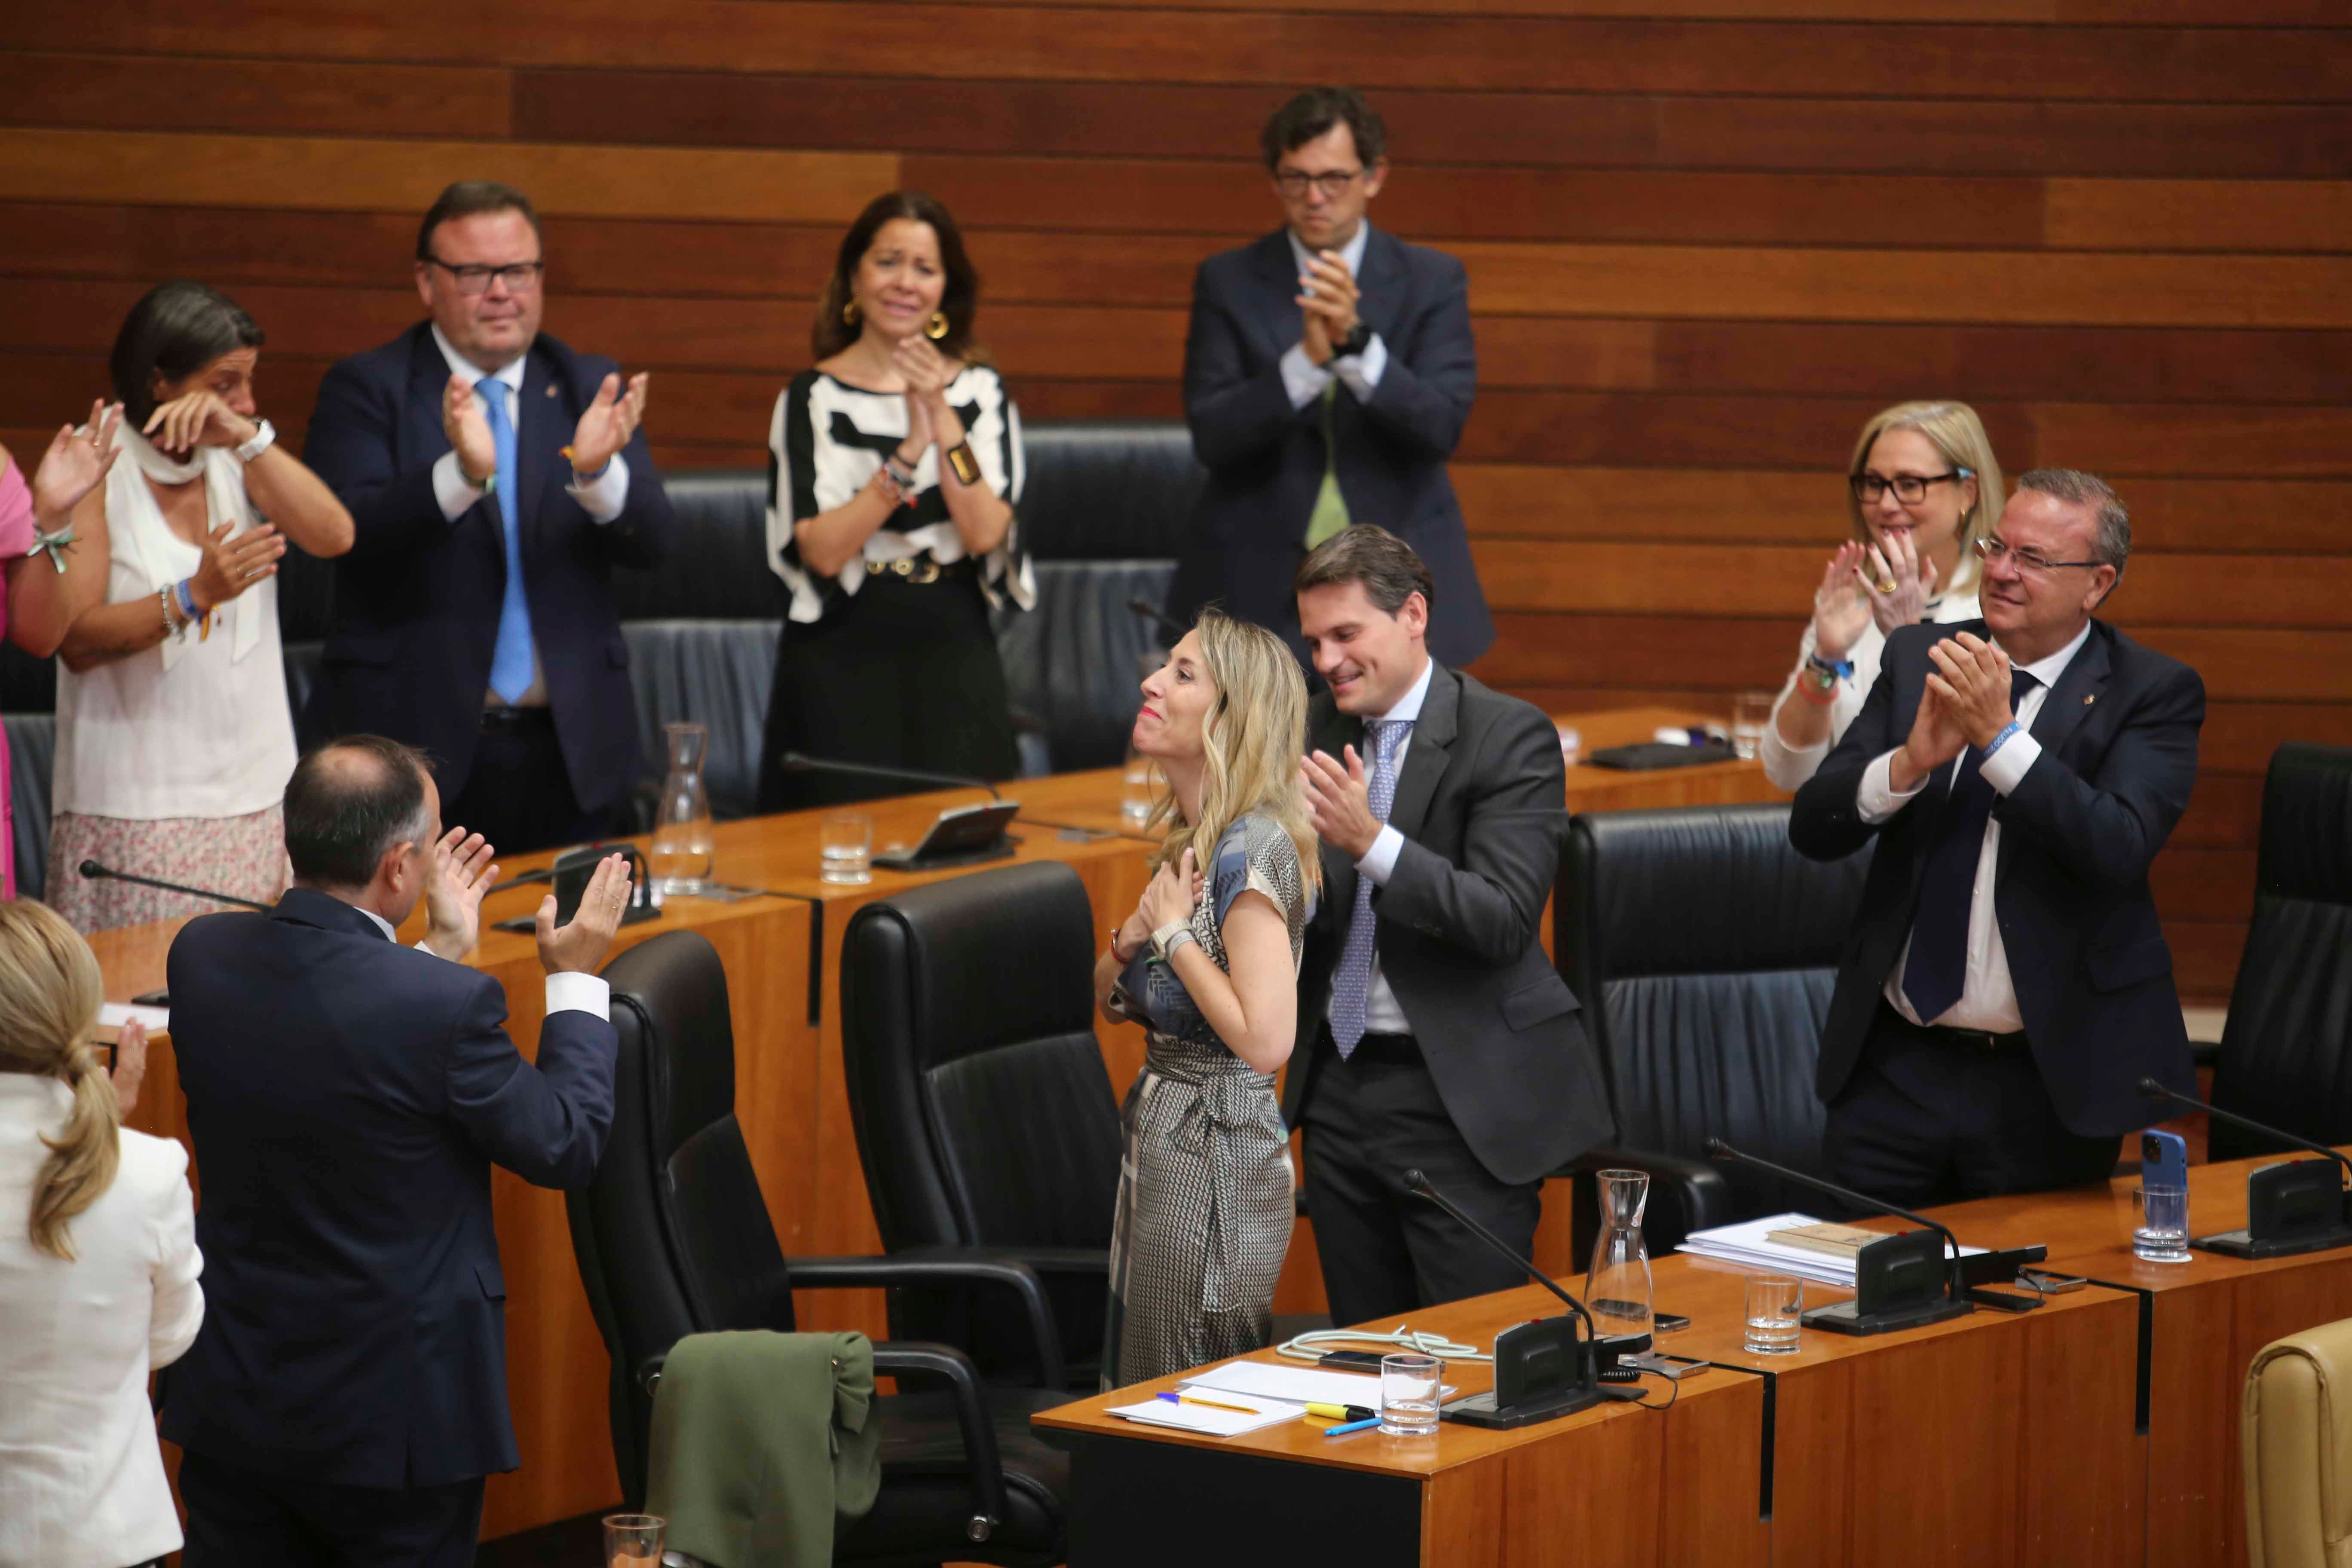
[[895, 466]]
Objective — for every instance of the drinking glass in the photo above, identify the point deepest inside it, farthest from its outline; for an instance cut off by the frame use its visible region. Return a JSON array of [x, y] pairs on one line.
[[680, 861], [633, 1540], [1137, 789], [1409, 1387], [845, 845], [2163, 1233], [1750, 711], [1774, 1304], [1617, 1286]]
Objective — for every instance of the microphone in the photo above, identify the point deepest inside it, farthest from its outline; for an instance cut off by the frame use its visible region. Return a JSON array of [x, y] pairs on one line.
[[1158, 617], [1542, 1371], [92, 872], [1905, 1282], [802, 763], [2294, 1207]]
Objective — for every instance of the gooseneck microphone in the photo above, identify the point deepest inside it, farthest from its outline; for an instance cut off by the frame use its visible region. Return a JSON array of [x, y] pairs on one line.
[[2297, 1207], [1418, 1185], [92, 872], [1899, 1281], [1158, 617], [2154, 1091], [802, 763]]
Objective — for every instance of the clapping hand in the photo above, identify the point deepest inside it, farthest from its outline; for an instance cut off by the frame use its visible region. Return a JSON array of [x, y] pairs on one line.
[[582, 945], [469, 430], [606, 425], [130, 1065], [461, 871], [1840, 607], [1935, 740], [74, 465], [229, 566], [1328, 300], [1898, 580], [198, 420], [1339, 802], [925, 369], [1971, 681]]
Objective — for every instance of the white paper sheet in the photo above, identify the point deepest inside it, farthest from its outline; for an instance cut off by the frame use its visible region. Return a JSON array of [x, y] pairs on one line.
[[1209, 1419], [1745, 1244], [1299, 1385], [114, 1014]]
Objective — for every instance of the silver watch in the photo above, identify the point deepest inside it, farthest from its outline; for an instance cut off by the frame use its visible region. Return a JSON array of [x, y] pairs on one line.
[[264, 435]]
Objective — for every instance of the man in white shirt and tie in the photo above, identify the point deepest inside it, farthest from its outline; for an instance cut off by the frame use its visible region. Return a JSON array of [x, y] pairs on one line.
[[2008, 985]]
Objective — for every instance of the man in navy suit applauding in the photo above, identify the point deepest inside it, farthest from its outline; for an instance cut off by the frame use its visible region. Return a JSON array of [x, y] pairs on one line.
[[347, 1097], [495, 478], [1328, 373]]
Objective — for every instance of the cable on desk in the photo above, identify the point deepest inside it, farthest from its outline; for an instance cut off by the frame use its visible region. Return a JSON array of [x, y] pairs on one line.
[[1310, 1346]]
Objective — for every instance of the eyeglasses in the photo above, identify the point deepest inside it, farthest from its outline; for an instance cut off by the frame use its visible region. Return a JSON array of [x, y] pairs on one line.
[[1910, 489], [1995, 550], [520, 276], [1293, 182]]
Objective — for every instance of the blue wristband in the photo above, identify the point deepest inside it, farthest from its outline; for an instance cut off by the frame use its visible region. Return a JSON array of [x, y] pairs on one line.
[[187, 599], [1997, 741]]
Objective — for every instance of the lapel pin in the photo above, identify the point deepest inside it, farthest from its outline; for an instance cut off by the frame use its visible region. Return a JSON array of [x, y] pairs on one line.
[[550, 390], [2091, 699]]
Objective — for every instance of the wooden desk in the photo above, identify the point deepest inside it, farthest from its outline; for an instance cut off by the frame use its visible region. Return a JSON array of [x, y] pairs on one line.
[[2204, 1320]]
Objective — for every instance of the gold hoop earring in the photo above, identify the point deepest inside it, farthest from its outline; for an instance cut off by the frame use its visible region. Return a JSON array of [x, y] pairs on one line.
[[937, 327], [849, 314]]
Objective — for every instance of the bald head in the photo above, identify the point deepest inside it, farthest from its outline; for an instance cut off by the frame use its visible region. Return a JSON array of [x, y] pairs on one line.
[[350, 802]]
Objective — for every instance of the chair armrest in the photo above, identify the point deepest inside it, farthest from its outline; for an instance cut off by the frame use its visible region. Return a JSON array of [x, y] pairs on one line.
[[913, 1358], [904, 1359], [947, 1266], [1697, 1184]]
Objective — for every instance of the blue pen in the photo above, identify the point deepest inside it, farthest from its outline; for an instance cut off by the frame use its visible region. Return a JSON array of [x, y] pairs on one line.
[[1346, 1427]]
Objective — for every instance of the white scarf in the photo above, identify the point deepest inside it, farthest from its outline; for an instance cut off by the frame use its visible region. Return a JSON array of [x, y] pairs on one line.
[[139, 535]]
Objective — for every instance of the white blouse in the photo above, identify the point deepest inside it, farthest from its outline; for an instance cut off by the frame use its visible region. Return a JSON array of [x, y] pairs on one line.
[[1790, 766], [194, 727], [82, 1478]]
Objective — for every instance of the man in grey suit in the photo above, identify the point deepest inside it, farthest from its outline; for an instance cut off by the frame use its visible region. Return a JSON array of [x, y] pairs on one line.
[[1328, 372], [1433, 1032]]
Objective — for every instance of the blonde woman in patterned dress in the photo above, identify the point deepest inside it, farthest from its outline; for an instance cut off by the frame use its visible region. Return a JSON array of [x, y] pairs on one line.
[[1209, 964]]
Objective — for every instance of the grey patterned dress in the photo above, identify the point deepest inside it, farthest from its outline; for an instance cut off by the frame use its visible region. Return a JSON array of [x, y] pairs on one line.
[[1204, 1183]]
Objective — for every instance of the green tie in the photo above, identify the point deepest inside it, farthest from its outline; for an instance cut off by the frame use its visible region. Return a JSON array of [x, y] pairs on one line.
[[1330, 513]]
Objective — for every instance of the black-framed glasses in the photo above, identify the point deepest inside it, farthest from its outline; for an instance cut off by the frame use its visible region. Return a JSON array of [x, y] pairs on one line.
[[1994, 550], [1910, 489], [520, 276], [1293, 182]]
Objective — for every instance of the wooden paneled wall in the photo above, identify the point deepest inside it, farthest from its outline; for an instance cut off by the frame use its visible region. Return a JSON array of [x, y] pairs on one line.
[[1706, 239]]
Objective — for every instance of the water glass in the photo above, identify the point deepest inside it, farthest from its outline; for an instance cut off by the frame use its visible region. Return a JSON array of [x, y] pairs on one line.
[[1409, 1388], [633, 1540], [1137, 789], [1750, 711], [2163, 1233], [1775, 1303], [845, 845]]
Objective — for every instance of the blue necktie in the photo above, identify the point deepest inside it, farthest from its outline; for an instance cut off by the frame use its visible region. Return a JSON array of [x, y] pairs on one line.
[[1352, 982], [1937, 969], [510, 659]]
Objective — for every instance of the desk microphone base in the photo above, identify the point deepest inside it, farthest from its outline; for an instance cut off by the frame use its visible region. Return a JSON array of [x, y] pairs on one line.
[[1842, 1318], [2239, 1244], [1478, 1409]]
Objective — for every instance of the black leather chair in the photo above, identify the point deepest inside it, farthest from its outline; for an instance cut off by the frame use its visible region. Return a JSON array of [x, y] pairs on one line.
[[672, 1237], [2286, 1051], [1704, 949], [985, 1117]]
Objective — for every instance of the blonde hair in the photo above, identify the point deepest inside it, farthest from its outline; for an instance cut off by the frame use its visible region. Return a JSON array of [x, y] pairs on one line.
[[49, 992], [1954, 430], [1251, 743]]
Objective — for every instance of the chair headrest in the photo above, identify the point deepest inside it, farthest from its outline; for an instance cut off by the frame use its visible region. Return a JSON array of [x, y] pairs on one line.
[[670, 994], [1109, 488], [2306, 849]]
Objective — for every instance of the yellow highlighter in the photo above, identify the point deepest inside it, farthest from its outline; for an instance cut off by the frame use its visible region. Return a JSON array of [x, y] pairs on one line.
[[1342, 1412]]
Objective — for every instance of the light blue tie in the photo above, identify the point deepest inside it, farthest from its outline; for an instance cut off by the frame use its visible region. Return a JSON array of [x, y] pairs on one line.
[[1351, 982], [510, 659]]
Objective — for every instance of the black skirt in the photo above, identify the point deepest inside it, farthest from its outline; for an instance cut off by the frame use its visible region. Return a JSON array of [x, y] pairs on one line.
[[901, 674]]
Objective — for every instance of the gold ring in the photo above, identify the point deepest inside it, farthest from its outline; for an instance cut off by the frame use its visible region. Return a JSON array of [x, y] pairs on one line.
[[1885, 587]]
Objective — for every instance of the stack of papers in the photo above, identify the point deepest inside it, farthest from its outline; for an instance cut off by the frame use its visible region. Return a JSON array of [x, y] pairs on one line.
[[1747, 1243], [1264, 1392]]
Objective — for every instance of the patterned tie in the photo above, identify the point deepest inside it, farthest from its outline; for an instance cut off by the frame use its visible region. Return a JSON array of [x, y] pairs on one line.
[[1937, 971], [510, 658], [1330, 513], [1351, 982]]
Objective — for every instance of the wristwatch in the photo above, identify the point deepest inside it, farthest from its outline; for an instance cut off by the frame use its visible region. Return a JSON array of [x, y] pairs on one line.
[[263, 434], [1354, 343], [1829, 672]]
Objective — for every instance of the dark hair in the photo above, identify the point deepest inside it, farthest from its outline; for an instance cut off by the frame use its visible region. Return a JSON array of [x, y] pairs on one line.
[[1385, 564], [177, 328], [1314, 112], [347, 802], [959, 303], [2111, 530], [469, 198]]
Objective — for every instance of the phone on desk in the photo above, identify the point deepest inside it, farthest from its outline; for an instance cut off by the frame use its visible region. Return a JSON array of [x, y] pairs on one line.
[[2163, 1159], [1351, 1361], [1668, 1323]]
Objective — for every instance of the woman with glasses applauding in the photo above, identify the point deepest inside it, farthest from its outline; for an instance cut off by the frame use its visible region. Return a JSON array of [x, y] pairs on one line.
[[894, 466], [174, 734], [1923, 486]]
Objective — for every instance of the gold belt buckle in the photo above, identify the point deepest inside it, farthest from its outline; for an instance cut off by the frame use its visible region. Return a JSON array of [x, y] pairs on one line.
[[925, 570]]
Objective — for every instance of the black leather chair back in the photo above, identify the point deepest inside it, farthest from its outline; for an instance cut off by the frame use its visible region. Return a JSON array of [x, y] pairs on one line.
[[983, 1113], [32, 758], [1704, 949], [672, 1236], [2286, 1051]]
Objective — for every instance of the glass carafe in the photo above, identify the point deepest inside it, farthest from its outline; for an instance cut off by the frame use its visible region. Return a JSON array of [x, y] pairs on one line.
[[682, 840], [1617, 1286]]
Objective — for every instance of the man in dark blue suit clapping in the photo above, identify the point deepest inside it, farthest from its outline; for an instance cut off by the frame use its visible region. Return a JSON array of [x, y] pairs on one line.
[[347, 1096]]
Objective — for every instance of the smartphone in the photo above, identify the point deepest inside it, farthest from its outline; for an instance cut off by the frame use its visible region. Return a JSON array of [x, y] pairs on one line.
[[1351, 1361], [2163, 1159], [152, 999], [1668, 1323]]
